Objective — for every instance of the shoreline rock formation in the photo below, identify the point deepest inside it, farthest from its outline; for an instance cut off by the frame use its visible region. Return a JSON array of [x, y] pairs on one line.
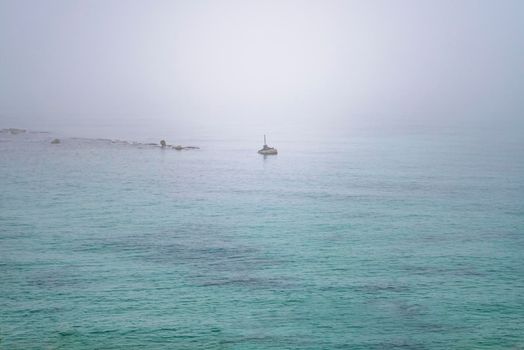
[[163, 144], [13, 131]]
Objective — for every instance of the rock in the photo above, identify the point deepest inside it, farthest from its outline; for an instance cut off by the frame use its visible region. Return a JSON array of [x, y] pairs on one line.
[[13, 131], [55, 141], [180, 147]]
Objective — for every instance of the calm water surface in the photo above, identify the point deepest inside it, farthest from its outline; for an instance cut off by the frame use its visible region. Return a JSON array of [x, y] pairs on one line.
[[376, 242]]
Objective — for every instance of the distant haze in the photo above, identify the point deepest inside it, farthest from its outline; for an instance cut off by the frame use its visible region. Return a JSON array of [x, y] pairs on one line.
[[260, 66]]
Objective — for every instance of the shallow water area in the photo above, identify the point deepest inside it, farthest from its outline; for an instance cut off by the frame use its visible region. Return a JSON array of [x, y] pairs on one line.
[[369, 242]]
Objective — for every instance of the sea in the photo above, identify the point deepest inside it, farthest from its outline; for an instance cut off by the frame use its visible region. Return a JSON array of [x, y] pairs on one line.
[[401, 240]]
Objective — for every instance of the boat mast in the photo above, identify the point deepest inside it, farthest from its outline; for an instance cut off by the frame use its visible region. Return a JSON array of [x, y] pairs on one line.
[[265, 140]]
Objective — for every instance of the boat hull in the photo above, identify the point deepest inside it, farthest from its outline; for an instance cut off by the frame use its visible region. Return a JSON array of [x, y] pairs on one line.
[[267, 152]]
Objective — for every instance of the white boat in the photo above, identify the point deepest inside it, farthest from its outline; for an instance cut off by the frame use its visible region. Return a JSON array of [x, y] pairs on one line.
[[266, 150]]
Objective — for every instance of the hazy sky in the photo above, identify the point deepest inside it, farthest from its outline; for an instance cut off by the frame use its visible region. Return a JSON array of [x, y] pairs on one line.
[[188, 64]]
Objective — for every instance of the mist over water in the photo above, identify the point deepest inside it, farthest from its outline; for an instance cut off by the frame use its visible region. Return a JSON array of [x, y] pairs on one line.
[[191, 67]]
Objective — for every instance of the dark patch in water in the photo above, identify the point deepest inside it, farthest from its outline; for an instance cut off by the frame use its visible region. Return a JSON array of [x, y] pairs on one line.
[[411, 310], [433, 270], [247, 281], [399, 344], [381, 288]]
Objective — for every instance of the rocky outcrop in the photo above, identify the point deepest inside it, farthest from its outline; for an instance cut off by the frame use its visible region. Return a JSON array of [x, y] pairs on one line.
[[163, 144], [13, 131], [120, 142], [180, 147]]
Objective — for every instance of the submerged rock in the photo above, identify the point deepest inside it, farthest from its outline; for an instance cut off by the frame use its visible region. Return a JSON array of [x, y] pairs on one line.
[[55, 141]]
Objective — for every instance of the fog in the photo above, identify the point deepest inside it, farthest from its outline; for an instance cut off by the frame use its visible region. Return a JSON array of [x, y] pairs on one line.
[[201, 67]]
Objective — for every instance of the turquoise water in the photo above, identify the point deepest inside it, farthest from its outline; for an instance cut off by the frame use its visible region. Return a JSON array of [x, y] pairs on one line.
[[370, 242]]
